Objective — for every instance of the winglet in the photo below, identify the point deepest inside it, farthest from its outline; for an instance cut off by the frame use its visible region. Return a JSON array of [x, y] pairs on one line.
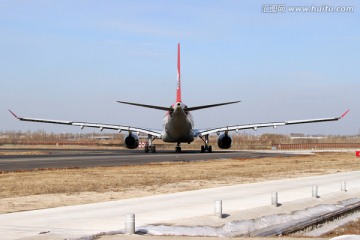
[[344, 114], [14, 114]]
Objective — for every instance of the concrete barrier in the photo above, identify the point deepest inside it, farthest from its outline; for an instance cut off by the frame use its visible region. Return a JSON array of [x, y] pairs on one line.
[[343, 186], [274, 199], [130, 223], [315, 192], [218, 208]]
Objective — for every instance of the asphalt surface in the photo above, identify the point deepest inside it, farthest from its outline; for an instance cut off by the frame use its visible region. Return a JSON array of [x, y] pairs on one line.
[[55, 158]]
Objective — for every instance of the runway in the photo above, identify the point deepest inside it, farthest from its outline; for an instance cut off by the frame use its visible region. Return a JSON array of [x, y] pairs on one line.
[[82, 158]]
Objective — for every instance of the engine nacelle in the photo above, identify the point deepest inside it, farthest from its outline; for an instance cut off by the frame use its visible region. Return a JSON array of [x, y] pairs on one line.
[[224, 141], [131, 141]]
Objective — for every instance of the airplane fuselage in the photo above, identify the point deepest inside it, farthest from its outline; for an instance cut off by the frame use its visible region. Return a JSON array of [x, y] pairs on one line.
[[178, 125]]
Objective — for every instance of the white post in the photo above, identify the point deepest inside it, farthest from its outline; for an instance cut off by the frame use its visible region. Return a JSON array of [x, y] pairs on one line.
[[343, 186], [315, 192], [274, 199], [218, 208], [130, 223]]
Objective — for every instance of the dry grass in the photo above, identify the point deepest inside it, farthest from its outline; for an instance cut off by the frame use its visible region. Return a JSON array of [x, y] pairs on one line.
[[352, 227], [74, 186]]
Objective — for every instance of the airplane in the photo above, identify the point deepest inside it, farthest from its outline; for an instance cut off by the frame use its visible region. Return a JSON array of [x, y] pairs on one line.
[[178, 125]]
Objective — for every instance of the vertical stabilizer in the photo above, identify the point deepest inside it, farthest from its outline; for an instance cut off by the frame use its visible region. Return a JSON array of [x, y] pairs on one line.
[[178, 88]]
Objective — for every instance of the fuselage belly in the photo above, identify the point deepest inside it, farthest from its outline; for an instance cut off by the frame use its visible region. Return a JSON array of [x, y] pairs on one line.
[[178, 126]]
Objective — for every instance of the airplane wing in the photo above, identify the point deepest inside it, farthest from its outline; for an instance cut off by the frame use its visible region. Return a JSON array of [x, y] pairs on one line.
[[255, 126], [92, 125]]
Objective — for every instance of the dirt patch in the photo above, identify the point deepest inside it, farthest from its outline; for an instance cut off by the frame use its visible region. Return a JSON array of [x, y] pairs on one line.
[[28, 190], [352, 227]]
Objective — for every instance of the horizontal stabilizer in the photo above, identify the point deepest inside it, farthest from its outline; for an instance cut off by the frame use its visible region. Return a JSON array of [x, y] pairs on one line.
[[210, 106], [168, 108], [146, 106]]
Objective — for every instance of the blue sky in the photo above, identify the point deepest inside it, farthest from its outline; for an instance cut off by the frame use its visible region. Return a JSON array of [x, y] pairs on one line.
[[72, 60]]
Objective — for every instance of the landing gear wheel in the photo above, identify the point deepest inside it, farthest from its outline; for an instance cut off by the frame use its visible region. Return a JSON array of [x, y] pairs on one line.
[[153, 149], [178, 149], [206, 149], [149, 144]]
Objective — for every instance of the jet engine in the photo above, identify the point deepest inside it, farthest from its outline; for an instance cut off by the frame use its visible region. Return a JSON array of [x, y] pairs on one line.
[[224, 141], [131, 141]]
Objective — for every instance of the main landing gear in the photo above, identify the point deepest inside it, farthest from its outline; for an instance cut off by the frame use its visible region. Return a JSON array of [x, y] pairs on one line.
[[149, 145], [150, 148], [207, 147], [178, 148]]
